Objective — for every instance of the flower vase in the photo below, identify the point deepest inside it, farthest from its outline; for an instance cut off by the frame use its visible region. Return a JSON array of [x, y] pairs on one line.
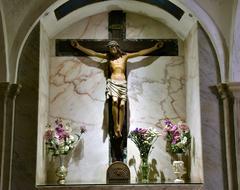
[[144, 169], [61, 171], [178, 168]]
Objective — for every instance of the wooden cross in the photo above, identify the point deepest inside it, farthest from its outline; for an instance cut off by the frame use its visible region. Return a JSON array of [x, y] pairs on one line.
[[117, 32]]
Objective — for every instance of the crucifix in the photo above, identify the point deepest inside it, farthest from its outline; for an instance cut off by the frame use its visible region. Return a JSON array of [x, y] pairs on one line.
[[118, 130]]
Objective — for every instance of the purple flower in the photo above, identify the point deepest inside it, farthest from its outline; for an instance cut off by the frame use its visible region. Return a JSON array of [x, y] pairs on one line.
[[59, 129], [142, 131], [168, 122], [61, 133], [173, 128], [135, 131], [144, 139]]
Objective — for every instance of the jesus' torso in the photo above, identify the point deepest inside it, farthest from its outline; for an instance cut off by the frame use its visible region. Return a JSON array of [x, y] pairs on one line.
[[118, 67]]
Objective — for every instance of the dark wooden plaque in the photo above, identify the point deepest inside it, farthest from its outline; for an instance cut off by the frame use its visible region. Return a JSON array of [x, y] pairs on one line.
[[118, 173]]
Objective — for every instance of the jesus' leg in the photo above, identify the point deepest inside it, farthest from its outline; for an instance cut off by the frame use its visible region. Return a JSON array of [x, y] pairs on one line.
[[115, 113], [121, 115]]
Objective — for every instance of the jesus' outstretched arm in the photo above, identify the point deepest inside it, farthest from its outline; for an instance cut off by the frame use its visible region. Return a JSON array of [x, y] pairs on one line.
[[143, 52], [87, 51]]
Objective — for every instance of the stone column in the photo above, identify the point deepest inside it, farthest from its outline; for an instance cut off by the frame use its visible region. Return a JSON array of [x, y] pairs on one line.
[[234, 88], [228, 136], [4, 86], [8, 93]]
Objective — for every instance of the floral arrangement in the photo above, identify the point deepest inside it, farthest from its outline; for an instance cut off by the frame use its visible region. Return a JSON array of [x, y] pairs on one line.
[[177, 136], [144, 139], [58, 138]]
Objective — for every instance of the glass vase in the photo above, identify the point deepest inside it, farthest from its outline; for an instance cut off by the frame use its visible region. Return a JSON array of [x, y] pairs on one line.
[[61, 171], [144, 166], [179, 168]]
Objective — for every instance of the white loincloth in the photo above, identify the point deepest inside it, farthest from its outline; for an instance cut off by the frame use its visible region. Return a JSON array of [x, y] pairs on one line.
[[116, 88]]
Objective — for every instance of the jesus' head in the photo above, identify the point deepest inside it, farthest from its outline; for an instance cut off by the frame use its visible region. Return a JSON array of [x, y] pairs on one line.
[[114, 50]]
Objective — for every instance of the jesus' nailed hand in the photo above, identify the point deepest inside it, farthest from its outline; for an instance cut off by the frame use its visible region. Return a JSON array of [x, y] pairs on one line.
[[117, 84]]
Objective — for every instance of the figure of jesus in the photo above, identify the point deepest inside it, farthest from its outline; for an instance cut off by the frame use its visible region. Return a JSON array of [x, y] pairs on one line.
[[117, 84]]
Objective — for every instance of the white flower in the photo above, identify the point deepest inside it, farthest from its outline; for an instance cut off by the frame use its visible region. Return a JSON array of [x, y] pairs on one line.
[[184, 140], [71, 137], [66, 148]]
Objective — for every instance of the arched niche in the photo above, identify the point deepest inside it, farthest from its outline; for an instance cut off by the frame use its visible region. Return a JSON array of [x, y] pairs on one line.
[[158, 88]]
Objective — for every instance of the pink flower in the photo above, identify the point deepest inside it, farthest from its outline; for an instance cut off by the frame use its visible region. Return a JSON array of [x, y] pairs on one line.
[[174, 128], [176, 133], [61, 133], [183, 127], [49, 134], [142, 131], [177, 137]]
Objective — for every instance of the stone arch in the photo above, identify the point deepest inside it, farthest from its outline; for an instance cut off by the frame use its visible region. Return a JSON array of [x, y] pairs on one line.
[[29, 21], [214, 35]]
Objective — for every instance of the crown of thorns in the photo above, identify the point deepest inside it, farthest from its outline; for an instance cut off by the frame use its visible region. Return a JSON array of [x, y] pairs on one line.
[[112, 43]]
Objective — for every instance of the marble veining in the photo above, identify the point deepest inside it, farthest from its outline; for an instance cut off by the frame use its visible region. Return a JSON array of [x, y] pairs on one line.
[[77, 93], [155, 91], [158, 85]]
